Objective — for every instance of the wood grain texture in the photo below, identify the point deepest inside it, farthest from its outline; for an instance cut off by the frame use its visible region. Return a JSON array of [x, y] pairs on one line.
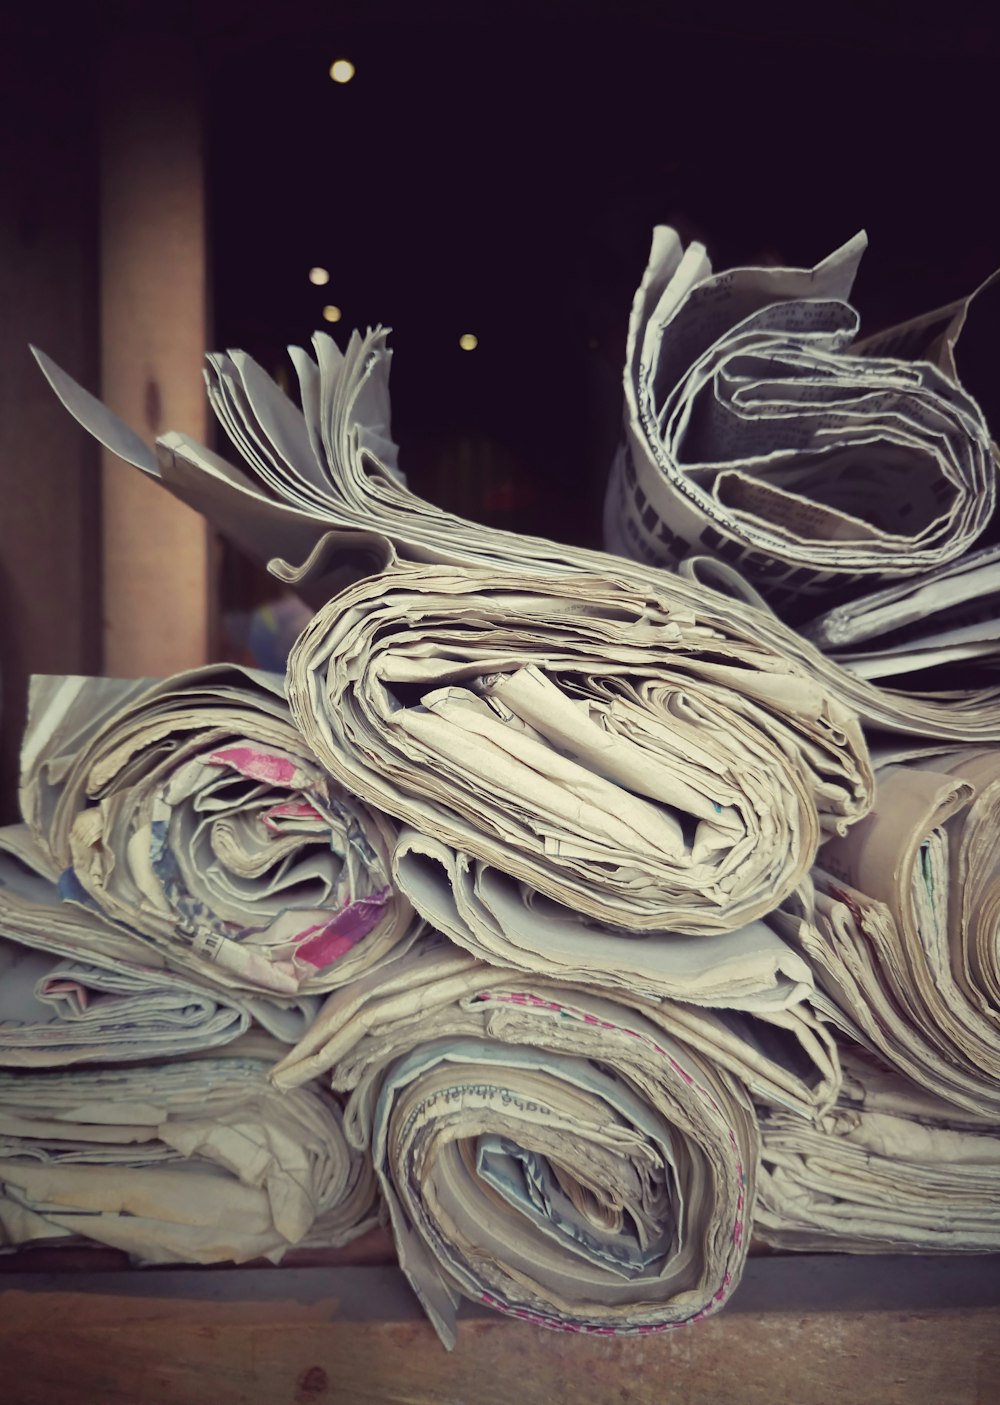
[[120, 1349], [913, 1332]]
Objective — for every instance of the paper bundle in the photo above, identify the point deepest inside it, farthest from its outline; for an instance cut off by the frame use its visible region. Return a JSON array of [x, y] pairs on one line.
[[508, 923], [642, 765], [558, 1155], [320, 499], [903, 933], [890, 1170], [754, 431], [195, 1161], [190, 812]]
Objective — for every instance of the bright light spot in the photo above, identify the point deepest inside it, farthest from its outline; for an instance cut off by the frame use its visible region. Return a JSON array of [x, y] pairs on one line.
[[332, 313], [468, 342], [342, 71], [319, 276]]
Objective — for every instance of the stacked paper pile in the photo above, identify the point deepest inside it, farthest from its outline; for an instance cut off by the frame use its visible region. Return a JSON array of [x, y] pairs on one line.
[[646, 915]]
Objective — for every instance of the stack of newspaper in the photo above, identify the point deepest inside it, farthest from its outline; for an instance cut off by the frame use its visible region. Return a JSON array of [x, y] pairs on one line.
[[850, 486], [195, 1160], [609, 866], [902, 928], [891, 1169], [187, 876], [321, 501]]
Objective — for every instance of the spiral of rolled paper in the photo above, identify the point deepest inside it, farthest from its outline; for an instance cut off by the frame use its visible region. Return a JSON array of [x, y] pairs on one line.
[[191, 812], [551, 1152], [621, 752]]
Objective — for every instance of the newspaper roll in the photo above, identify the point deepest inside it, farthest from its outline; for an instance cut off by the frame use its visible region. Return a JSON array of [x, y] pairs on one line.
[[947, 618], [892, 1169], [618, 751], [904, 933], [191, 812], [753, 432], [547, 1151], [197, 1161], [331, 508]]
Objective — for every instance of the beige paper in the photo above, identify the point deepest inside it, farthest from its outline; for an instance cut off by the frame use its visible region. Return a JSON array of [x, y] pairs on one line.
[[891, 1169], [756, 433], [367, 515], [190, 812], [195, 1161], [555, 1154], [619, 751], [903, 931]]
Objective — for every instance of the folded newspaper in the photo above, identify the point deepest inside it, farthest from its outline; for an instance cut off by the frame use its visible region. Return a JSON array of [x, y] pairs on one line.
[[644, 765], [59, 1012], [508, 923], [890, 1170], [550, 1152], [190, 811], [950, 616], [755, 431], [903, 932], [320, 499], [784, 1054], [34, 915], [193, 1161]]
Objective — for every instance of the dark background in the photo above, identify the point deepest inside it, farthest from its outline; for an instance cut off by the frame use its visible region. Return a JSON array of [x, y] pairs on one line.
[[498, 168]]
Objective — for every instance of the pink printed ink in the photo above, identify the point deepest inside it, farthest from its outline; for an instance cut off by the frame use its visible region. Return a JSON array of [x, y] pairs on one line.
[[336, 937], [257, 765]]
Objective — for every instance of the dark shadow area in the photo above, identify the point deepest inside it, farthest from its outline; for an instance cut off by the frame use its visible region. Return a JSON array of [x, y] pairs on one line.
[[499, 169]]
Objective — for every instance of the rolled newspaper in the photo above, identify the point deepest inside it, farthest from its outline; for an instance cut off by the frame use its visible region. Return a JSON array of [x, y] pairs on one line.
[[190, 811], [620, 751], [891, 1169], [194, 1161], [319, 498], [903, 935], [755, 432], [549, 1152]]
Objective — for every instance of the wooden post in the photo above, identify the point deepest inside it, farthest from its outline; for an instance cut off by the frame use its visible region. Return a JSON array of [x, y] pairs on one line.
[[153, 303]]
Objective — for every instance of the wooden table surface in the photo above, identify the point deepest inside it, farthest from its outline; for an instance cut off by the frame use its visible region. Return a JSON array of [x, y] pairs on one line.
[[808, 1330]]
